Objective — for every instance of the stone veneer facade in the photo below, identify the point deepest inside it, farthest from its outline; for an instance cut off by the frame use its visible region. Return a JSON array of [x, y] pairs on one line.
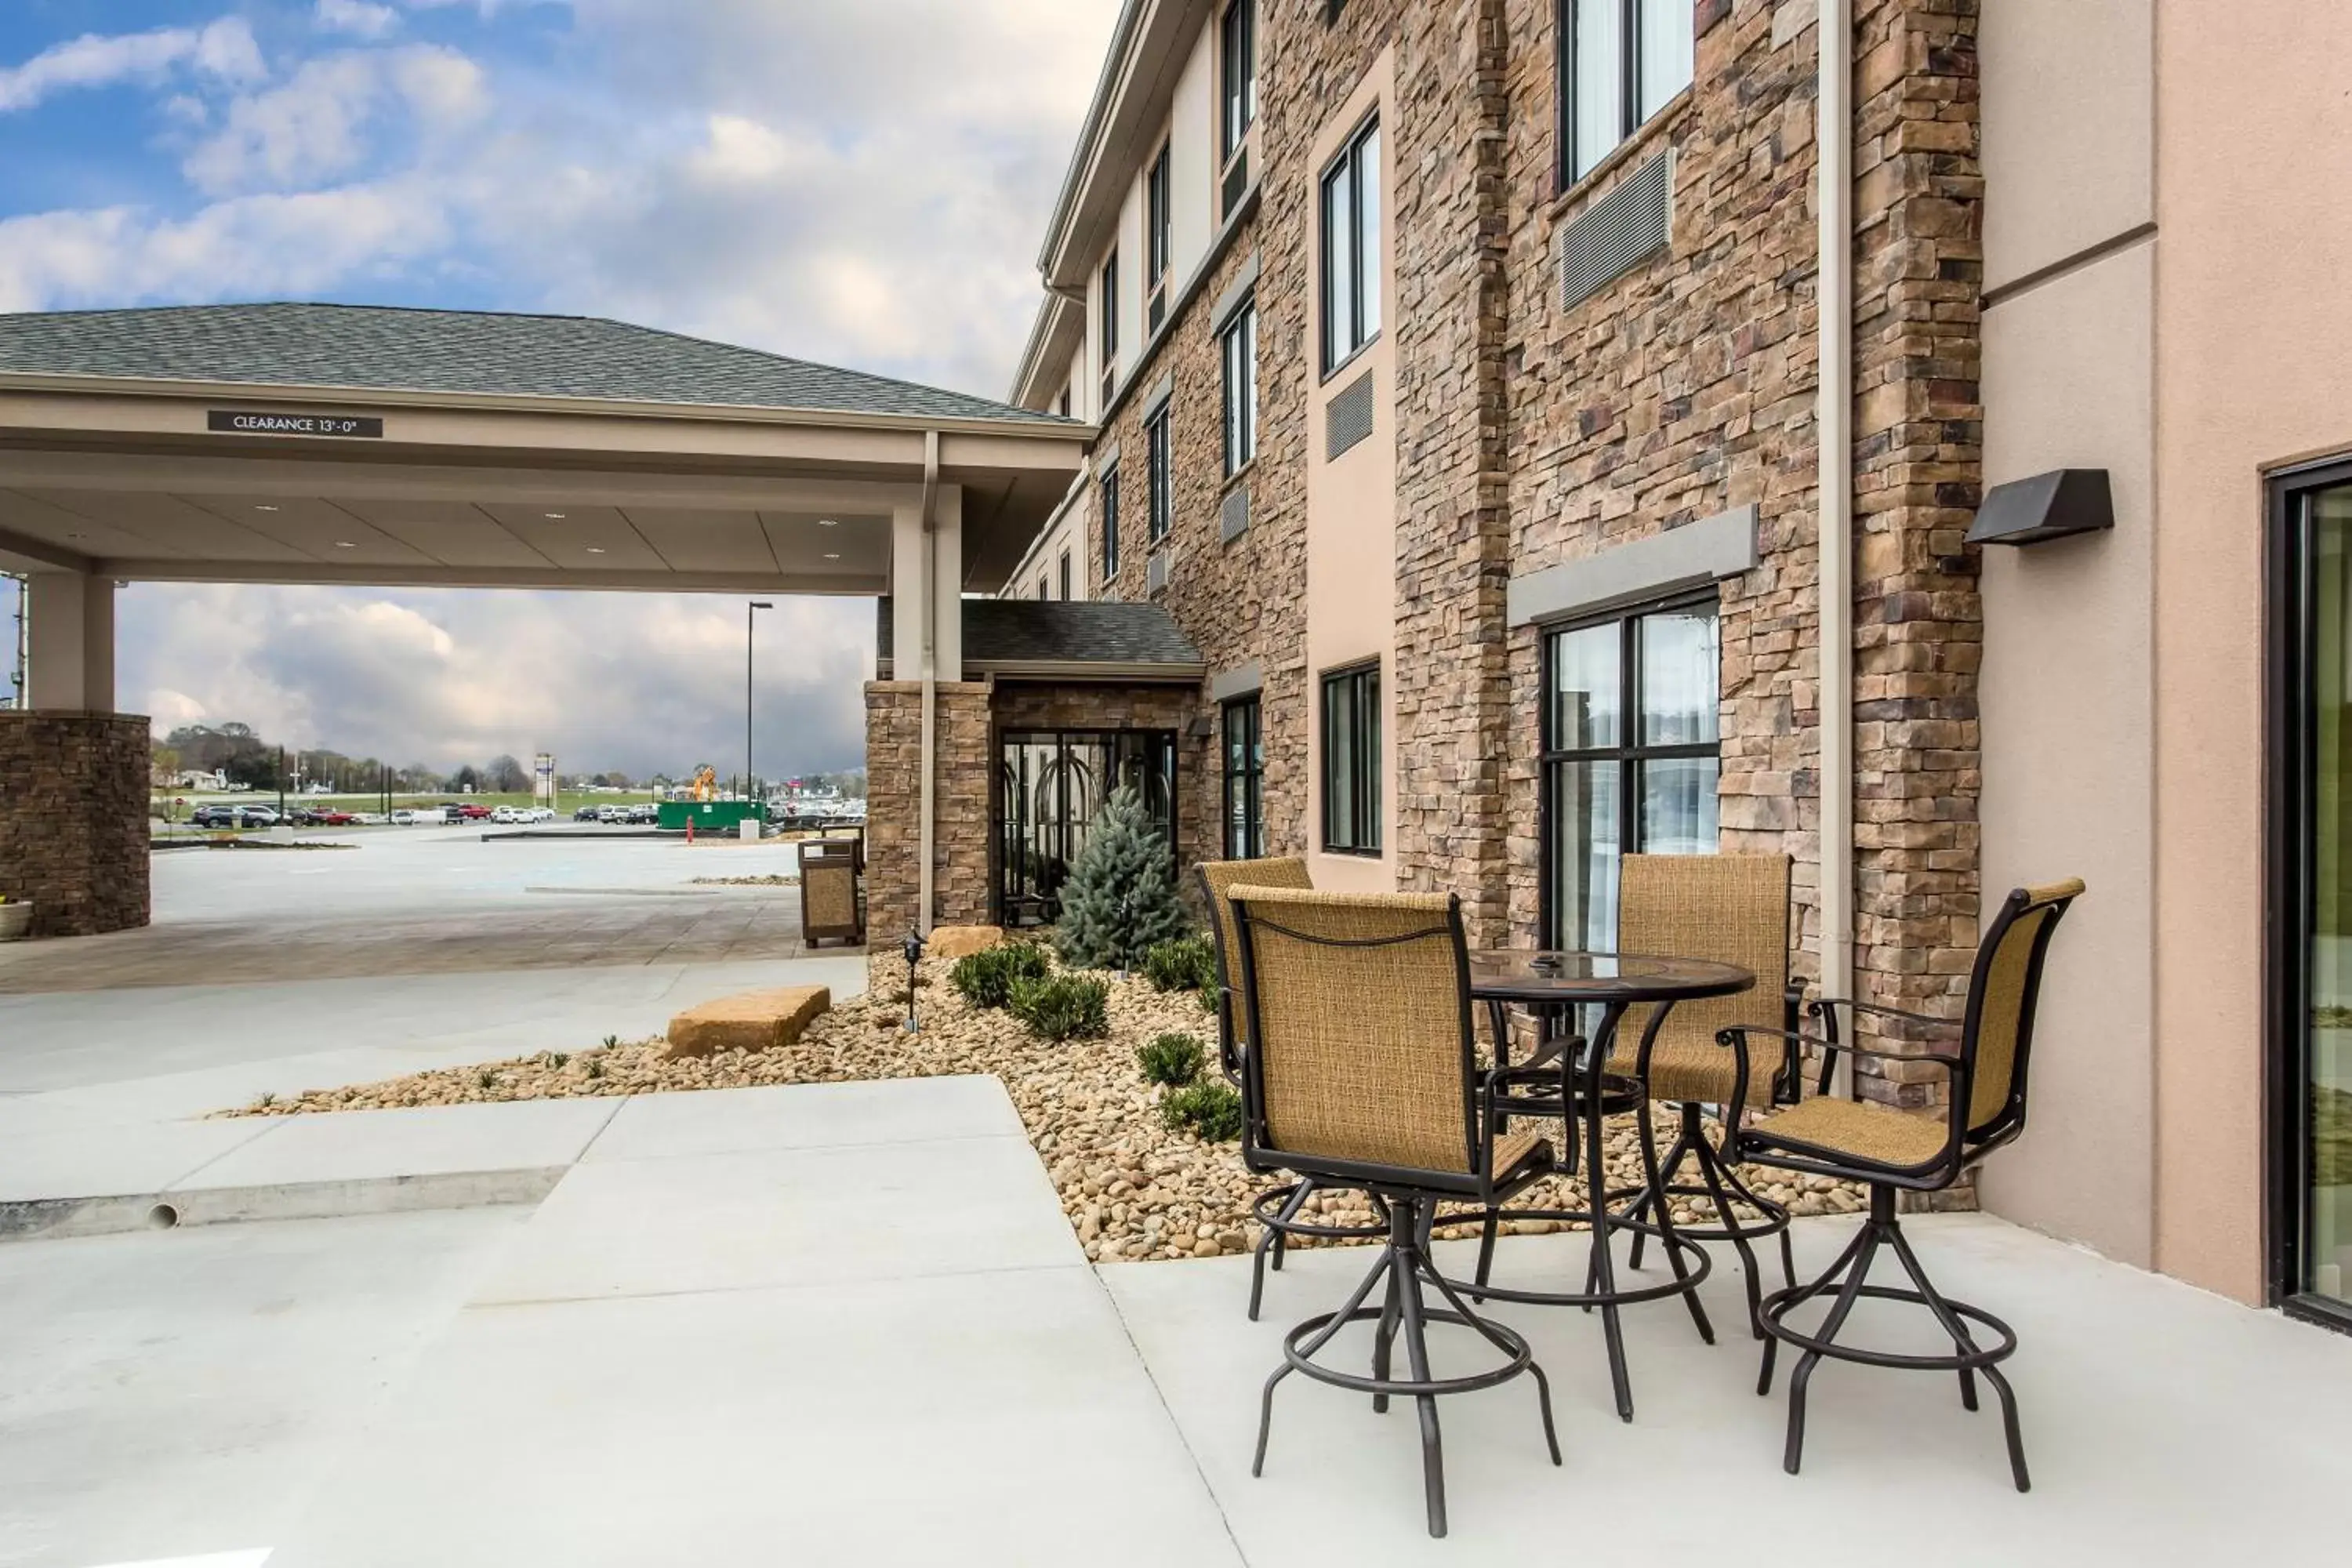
[[1528, 435], [73, 819]]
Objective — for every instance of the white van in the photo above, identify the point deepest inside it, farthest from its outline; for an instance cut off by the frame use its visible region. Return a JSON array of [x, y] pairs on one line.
[[434, 816]]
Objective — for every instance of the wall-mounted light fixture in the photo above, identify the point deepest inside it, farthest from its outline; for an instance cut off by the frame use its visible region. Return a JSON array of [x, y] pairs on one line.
[[2048, 505]]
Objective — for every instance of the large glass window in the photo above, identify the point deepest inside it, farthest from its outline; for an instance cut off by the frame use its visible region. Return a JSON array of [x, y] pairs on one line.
[[1159, 502], [1620, 61], [1245, 780], [1237, 67], [1051, 785], [1240, 346], [1110, 523], [2311, 1137], [1351, 249], [1631, 756], [1352, 761]]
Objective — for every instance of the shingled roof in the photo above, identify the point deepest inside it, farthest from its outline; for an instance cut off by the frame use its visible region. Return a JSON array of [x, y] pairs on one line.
[[1068, 636], [489, 353]]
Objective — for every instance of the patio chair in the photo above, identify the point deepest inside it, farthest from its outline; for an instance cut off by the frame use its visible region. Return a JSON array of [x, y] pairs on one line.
[[1362, 1071], [1894, 1151], [1277, 1209], [1730, 909]]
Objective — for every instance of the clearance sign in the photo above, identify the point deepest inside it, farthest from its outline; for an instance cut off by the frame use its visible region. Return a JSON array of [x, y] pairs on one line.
[[237, 422]]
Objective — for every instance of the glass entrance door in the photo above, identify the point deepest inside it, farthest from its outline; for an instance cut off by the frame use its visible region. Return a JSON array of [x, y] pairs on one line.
[[1051, 783], [2313, 873]]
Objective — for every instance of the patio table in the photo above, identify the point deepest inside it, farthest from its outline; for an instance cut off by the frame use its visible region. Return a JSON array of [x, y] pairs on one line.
[[1551, 981]]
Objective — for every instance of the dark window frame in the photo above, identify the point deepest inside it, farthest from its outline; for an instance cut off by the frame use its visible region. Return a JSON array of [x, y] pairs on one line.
[[1159, 220], [1158, 459], [1237, 81], [1629, 86], [1107, 326], [1350, 164], [1068, 580], [1359, 685], [1247, 780], [1109, 494], [2291, 740], [1629, 753], [1237, 343]]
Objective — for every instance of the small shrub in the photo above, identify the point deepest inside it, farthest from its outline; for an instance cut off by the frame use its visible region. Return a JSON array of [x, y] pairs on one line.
[[612, 1041], [595, 1067], [1209, 997], [557, 1058], [985, 979], [486, 1079], [1172, 1059], [1063, 1007], [1186, 964], [1211, 1111]]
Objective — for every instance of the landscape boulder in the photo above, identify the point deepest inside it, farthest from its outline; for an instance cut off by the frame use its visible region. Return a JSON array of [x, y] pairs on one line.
[[750, 1021], [951, 943]]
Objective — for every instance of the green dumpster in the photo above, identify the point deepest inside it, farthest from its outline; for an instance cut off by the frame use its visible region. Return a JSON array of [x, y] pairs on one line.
[[719, 816]]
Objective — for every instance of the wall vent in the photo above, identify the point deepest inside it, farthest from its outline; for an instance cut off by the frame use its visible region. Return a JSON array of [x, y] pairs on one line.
[[1347, 418], [1233, 515], [1155, 571], [1605, 240], [1236, 183]]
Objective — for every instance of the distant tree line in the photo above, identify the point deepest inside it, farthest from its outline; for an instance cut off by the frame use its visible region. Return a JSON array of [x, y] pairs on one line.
[[245, 758]]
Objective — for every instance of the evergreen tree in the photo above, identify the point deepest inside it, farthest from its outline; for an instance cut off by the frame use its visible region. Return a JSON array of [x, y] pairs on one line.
[[1121, 899]]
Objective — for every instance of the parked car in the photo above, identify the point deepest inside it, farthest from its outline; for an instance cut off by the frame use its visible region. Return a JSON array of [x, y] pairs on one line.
[[612, 814], [588, 814], [470, 812], [645, 816], [337, 818], [509, 815], [404, 817], [212, 814], [257, 816], [542, 813]]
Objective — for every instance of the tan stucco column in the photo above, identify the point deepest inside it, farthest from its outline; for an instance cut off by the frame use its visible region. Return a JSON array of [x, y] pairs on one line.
[[70, 642], [937, 574]]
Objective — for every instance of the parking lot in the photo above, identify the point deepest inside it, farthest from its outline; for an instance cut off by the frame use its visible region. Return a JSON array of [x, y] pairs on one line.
[[426, 900]]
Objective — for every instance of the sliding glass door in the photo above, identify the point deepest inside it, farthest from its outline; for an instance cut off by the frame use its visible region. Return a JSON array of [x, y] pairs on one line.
[[2312, 889]]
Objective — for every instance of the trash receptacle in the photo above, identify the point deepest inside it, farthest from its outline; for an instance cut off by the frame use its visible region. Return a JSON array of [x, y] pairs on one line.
[[831, 870]]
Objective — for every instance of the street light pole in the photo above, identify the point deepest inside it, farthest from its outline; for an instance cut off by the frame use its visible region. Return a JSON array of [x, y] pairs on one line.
[[747, 609]]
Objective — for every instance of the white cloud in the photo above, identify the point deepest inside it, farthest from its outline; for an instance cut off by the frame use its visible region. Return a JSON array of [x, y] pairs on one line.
[[256, 247], [302, 132], [448, 676], [445, 89], [224, 50], [358, 18]]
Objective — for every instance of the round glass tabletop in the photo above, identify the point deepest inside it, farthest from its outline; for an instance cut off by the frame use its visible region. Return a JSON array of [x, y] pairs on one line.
[[1529, 974]]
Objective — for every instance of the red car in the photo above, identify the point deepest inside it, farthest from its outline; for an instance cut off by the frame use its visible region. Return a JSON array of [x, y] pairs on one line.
[[337, 818], [470, 812]]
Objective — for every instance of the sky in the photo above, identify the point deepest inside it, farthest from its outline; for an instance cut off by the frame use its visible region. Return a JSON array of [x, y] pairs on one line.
[[775, 173]]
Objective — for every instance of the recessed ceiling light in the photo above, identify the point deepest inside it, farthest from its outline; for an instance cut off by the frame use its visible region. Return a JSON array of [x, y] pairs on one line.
[[596, 550], [77, 536], [265, 508], [833, 555], [828, 522], [553, 516], [345, 544]]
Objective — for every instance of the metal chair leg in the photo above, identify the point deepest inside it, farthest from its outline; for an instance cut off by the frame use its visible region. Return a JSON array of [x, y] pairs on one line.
[[1384, 1337], [1432, 1448], [1271, 1238], [1708, 1174], [1828, 1278], [1664, 1207], [1848, 1295], [1961, 1341]]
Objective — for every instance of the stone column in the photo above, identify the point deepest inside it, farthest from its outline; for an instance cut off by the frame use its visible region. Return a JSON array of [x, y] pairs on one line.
[[73, 772], [961, 839]]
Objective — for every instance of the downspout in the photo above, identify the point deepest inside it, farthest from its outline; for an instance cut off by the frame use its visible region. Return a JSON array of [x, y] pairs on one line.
[[1833, 142], [923, 908]]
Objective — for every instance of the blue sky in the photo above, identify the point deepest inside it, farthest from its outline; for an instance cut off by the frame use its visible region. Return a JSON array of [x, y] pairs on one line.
[[857, 181]]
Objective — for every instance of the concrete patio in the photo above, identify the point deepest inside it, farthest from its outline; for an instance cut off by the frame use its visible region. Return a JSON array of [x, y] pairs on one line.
[[847, 1322]]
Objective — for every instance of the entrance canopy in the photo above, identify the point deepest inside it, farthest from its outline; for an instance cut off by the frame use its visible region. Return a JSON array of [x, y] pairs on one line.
[[291, 443]]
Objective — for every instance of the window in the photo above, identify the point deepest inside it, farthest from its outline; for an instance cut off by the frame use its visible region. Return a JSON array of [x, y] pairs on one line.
[[1110, 523], [1351, 249], [1156, 236], [1352, 761], [1631, 756], [1107, 329], [1620, 61], [1237, 54], [1156, 500], [1042, 594], [1066, 403], [1240, 346], [1065, 574], [1244, 780]]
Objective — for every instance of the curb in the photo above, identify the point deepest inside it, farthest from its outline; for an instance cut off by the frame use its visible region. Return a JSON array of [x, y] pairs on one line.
[[57, 1219]]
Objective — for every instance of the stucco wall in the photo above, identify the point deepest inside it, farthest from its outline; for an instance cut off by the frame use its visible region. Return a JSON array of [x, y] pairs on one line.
[[2068, 723], [2253, 134]]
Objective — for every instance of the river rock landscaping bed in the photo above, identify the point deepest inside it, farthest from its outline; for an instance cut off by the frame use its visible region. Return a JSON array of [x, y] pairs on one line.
[[1131, 1186]]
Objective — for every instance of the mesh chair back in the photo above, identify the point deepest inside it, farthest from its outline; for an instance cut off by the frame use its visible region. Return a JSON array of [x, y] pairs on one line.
[[1218, 878], [1726, 909], [1359, 1010], [2000, 1027]]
